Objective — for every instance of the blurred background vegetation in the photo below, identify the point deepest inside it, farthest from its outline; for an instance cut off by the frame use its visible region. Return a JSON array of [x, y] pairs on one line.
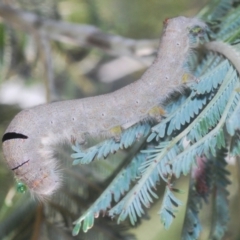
[[78, 72]]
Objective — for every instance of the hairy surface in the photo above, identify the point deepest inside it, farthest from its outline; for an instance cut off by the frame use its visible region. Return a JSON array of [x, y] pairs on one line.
[[29, 139]]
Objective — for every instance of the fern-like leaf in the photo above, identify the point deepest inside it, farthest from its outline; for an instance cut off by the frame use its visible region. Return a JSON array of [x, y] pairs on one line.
[[109, 146], [119, 186], [169, 205]]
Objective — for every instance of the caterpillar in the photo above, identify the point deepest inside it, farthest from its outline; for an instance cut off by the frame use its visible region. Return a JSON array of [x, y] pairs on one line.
[[29, 140]]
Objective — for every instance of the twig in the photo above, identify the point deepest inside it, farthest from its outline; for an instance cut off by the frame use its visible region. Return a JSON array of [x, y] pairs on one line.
[[38, 222], [45, 51], [77, 34]]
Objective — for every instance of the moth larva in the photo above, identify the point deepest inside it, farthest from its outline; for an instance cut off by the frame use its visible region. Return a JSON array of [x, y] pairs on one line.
[[29, 139]]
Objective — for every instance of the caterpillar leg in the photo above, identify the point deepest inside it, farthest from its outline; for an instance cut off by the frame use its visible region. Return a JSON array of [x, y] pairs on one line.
[[116, 132], [73, 140], [188, 78], [81, 139], [156, 113]]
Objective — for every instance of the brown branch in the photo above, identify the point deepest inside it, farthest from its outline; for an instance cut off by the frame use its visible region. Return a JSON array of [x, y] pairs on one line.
[[38, 222], [45, 51], [77, 34]]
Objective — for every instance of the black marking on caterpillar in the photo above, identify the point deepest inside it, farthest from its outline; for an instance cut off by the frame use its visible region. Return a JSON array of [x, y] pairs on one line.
[[13, 135], [15, 168]]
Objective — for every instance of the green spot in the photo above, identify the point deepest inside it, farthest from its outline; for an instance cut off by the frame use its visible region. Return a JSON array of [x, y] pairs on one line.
[[21, 188], [196, 30]]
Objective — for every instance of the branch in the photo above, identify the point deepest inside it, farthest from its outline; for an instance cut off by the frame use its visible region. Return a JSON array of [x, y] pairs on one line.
[[78, 34], [45, 51]]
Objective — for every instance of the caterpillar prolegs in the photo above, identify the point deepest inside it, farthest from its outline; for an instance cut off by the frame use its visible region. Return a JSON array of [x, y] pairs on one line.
[[29, 139]]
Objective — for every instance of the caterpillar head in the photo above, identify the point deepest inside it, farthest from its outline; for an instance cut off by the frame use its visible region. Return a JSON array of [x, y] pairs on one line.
[[30, 159], [196, 29]]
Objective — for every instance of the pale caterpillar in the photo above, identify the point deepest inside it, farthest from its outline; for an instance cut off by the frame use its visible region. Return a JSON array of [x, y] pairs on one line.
[[29, 139]]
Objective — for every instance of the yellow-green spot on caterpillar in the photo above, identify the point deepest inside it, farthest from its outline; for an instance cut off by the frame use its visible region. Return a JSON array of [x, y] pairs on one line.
[[186, 77], [116, 132], [156, 112], [196, 30]]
